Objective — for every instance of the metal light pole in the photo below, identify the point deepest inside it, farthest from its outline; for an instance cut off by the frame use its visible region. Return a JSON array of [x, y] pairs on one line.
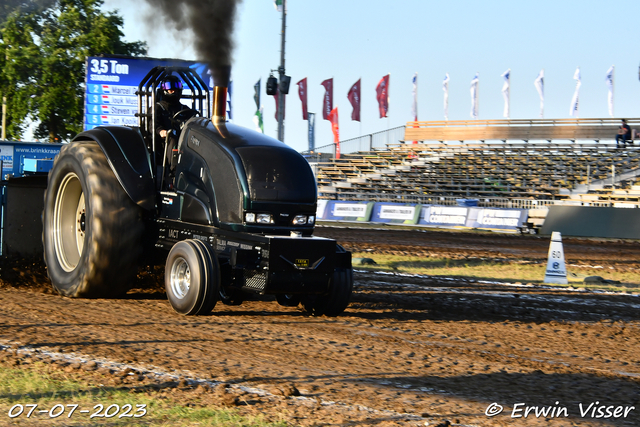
[[281, 74], [4, 118]]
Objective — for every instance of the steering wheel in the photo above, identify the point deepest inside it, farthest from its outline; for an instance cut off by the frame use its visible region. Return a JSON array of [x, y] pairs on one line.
[[182, 116]]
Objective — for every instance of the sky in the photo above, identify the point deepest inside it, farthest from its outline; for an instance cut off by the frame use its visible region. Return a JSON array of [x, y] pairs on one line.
[[349, 40]]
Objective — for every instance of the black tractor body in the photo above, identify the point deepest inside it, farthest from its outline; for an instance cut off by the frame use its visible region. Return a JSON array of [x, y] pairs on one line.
[[236, 215]]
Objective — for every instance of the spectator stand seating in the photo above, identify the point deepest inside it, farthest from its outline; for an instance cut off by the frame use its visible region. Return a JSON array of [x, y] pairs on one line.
[[565, 156]]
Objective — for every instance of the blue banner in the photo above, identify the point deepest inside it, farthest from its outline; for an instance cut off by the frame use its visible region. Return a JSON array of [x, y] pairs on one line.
[[443, 216], [13, 155]]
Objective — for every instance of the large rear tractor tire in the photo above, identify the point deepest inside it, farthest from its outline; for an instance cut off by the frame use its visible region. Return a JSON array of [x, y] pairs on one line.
[[91, 229], [192, 278]]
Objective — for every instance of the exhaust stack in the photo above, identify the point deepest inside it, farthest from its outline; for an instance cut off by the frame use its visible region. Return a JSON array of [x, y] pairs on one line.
[[219, 116]]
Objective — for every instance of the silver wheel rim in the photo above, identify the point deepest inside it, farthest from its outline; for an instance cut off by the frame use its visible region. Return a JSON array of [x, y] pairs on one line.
[[69, 227], [180, 278]]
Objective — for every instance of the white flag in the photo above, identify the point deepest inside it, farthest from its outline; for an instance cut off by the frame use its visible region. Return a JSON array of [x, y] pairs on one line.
[[609, 80], [474, 96], [278, 4], [445, 88], [505, 91], [539, 84], [414, 105], [575, 103]]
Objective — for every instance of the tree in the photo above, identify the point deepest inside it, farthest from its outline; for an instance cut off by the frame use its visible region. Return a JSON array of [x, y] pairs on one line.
[[26, 6], [17, 53], [42, 55]]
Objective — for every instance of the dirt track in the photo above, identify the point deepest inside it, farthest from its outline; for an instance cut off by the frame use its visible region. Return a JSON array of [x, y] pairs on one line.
[[408, 350]]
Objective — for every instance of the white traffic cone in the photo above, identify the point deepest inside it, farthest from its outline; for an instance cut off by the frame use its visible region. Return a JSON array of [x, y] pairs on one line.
[[556, 270]]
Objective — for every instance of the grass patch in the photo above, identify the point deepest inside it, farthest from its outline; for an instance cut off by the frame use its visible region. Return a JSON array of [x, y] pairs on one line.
[[57, 392], [495, 270]]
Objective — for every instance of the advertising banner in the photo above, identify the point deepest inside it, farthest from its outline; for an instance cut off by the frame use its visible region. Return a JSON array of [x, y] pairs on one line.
[[504, 219], [13, 155], [443, 216], [396, 213], [6, 157], [348, 211], [112, 82], [321, 209]]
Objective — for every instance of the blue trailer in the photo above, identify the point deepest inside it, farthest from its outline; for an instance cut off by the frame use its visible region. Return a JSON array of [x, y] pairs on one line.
[[23, 171]]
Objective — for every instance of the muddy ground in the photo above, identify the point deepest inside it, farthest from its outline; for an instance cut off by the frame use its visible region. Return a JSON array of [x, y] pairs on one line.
[[407, 351]]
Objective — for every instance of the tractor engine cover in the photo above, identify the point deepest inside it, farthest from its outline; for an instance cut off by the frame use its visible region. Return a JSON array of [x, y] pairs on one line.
[[226, 171]]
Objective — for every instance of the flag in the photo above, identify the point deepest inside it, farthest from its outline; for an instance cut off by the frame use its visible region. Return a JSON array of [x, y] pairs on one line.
[[609, 80], [284, 99], [302, 91], [327, 101], [382, 95], [229, 110], [257, 119], [576, 95], [539, 84], [312, 134], [333, 118], [474, 96], [445, 88], [256, 95], [414, 104], [278, 4], [505, 91], [354, 99]]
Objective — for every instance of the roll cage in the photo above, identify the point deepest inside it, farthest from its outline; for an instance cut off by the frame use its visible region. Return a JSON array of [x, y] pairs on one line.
[[149, 95]]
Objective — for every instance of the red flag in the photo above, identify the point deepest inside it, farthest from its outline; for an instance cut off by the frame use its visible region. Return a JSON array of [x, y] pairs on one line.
[[284, 99], [382, 95], [333, 118], [327, 102], [354, 98], [302, 91]]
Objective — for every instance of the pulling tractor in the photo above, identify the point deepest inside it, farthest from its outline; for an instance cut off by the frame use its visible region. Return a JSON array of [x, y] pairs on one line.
[[237, 218]]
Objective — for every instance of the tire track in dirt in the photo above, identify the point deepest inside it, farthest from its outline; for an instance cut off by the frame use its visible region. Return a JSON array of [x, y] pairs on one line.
[[419, 360], [435, 348]]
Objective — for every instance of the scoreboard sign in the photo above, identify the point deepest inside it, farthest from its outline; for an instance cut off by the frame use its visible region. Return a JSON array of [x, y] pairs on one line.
[[112, 82]]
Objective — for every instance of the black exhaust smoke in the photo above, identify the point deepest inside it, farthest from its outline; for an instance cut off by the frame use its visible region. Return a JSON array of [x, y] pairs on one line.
[[211, 22]]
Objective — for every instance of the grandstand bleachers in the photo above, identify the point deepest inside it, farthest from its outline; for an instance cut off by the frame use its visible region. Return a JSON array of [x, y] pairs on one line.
[[548, 172]]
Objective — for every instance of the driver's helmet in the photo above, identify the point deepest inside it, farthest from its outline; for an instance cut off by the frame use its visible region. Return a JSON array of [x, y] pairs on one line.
[[171, 83]]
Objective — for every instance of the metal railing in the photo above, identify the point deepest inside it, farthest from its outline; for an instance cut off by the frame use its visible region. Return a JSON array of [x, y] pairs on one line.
[[373, 141], [605, 121]]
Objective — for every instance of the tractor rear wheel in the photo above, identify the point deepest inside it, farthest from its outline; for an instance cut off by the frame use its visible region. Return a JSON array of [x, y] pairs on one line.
[[91, 228]]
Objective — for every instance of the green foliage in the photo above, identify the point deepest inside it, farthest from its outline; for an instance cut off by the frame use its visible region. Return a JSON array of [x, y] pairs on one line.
[[9, 6], [42, 64]]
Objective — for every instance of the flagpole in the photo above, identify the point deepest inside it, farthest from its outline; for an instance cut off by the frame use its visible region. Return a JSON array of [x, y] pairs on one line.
[[613, 82], [388, 118], [360, 105], [509, 98], [281, 73], [542, 102], [578, 99]]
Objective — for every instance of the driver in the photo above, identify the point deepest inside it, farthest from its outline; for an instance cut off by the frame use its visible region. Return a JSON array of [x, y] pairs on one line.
[[168, 106]]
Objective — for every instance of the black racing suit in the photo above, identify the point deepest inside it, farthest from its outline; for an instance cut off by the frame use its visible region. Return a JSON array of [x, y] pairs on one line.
[[165, 111]]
